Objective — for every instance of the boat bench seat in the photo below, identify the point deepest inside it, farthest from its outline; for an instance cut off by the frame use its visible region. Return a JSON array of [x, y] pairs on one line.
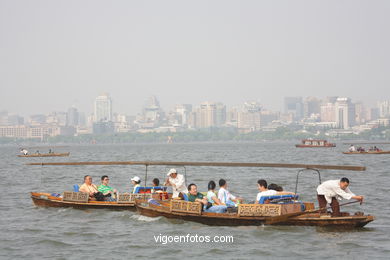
[[142, 189], [75, 196], [130, 197], [279, 199], [282, 199]]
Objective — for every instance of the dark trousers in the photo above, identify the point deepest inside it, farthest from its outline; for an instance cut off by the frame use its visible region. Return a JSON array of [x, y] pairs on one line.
[[334, 204]]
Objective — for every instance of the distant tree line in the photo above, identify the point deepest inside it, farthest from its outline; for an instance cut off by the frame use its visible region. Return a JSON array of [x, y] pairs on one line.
[[203, 135]]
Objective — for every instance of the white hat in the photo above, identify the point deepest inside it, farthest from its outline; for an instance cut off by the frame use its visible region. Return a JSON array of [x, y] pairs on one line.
[[171, 171], [136, 179]]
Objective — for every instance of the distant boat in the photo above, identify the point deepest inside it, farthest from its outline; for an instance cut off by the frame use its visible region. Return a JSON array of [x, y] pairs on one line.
[[368, 152], [315, 143], [43, 154]]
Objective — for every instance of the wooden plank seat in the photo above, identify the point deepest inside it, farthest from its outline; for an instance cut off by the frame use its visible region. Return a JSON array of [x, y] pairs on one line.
[[143, 189], [75, 196], [130, 197]]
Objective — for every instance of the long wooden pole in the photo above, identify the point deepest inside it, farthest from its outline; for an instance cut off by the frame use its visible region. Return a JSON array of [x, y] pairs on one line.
[[217, 164]]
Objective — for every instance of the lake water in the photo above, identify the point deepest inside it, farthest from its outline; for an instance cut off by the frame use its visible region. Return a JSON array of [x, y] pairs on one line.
[[52, 233]]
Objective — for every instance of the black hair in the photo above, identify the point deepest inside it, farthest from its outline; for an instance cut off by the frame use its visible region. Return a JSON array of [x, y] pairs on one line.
[[104, 176], [273, 186], [262, 183], [222, 182], [189, 186], [344, 179], [211, 185], [85, 177], [156, 181]]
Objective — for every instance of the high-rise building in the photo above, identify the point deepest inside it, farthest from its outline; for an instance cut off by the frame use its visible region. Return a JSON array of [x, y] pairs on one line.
[[328, 112], [294, 106], [345, 113], [360, 113], [210, 114], [72, 117], [183, 112], [384, 108], [103, 108], [249, 118], [311, 106], [152, 115]]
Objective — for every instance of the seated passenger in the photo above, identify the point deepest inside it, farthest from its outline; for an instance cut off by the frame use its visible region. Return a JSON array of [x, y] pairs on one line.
[[156, 183], [108, 192], [225, 196], [136, 182], [194, 195], [89, 187], [274, 186], [264, 191], [214, 204]]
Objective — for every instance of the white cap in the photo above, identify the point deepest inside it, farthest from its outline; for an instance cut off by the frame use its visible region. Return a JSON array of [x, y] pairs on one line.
[[171, 171], [136, 179]]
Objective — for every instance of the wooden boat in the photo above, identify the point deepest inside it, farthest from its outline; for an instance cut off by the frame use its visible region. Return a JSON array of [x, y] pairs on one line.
[[250, 215], [315, 143], [44, 155], [79, 200], [247, 215], [368, 152]]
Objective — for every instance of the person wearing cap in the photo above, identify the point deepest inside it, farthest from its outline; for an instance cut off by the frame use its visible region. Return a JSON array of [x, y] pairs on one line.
[[177, 182], [136, 182]]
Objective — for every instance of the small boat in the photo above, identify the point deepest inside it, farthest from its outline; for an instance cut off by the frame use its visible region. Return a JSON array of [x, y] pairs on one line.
[[315, 143], [251, 215], [44, 154], [368, 152], [79, 200]]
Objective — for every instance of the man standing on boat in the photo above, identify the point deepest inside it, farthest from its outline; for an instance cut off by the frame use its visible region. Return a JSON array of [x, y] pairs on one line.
[[177, 182], [333, 190]]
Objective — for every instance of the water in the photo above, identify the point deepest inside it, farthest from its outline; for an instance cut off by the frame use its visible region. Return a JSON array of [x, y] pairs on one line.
[[50, 233]]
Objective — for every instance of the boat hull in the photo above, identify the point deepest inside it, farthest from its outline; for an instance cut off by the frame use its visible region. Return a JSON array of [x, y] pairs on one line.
[[45, 200], [231, 219], [314, 146], [44, 155], [368, 152]]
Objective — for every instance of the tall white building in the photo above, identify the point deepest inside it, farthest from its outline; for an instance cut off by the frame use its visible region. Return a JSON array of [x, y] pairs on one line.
[[345, 113], [210, 114], [103, 108], [384, 108]]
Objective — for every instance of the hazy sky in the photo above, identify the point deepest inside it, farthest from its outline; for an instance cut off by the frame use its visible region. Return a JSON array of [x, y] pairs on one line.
[[55, 54]]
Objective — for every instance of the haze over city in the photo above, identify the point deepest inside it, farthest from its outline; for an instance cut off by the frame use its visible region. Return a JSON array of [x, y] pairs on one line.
[[55, 54]]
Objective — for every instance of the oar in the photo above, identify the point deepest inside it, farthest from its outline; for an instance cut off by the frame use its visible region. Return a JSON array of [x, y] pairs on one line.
[[283, 218]]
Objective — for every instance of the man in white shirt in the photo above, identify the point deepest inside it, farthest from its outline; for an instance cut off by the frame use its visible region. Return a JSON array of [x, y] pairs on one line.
[[225, 196], [264, 191], [177, 182], [333, 190], [352, 148]]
